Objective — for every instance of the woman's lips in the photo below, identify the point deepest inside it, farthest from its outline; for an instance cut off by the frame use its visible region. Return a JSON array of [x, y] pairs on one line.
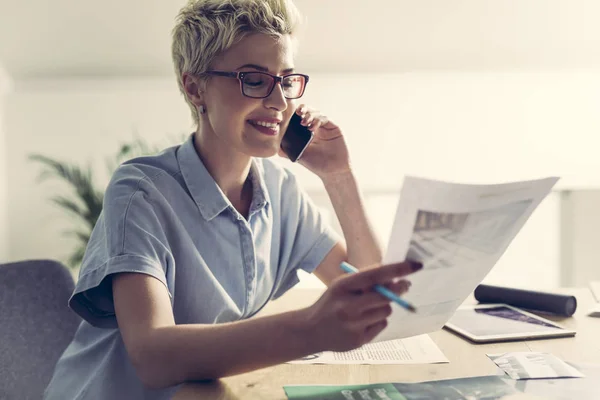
[[265, 127]]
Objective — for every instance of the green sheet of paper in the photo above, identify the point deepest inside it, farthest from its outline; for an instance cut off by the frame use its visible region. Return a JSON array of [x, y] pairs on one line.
[[486, 387]]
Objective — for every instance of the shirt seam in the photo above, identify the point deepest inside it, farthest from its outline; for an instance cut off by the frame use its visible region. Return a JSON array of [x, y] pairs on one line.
[[121, 255], [127, 208], [322, 237]]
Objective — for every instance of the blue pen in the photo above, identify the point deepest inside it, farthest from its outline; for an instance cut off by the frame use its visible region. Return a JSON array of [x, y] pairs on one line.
[[380, 289]]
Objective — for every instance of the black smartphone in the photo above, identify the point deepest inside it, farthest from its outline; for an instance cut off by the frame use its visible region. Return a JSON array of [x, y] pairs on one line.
[[296, 138]]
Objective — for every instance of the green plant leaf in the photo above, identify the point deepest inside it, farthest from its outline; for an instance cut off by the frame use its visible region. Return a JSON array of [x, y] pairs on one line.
[[70, 206], [87, 201], [70, 173], [81, 182], [84, 237]]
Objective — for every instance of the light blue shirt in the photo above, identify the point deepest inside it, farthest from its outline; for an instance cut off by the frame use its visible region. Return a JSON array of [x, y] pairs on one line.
[[165, 216]]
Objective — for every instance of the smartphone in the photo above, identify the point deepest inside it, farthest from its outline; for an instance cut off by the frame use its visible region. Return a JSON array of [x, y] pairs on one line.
[[296, 138]]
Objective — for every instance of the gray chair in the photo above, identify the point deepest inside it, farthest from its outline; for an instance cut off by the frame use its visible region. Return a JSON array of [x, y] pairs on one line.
[[36, 325]]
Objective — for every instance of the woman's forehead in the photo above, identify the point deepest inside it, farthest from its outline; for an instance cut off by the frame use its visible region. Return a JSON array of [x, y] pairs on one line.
[[274, 54]]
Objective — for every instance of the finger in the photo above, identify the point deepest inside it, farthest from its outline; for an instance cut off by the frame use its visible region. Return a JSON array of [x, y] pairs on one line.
[[368, 301], [374, 330], [309, 117], [301, 109], [365, 279], [317, 123], [313, 125], [375, 315], [400, 287], [323, 121]]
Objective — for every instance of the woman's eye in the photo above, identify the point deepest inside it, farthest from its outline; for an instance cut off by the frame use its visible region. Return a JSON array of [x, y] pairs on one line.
[[290, 82], [254, 83]]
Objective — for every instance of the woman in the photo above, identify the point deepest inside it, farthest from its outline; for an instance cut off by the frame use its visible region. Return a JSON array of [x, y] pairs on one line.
[[195, 240]]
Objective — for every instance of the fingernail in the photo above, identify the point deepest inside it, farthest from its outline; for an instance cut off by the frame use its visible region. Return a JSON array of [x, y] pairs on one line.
[[416, 265]]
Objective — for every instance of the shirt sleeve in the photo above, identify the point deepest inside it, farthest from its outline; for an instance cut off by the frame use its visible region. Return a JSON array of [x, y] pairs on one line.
[[128, 237], [306, 237]]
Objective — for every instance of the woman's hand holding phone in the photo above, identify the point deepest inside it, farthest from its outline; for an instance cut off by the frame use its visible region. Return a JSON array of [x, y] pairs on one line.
[[326, 154]]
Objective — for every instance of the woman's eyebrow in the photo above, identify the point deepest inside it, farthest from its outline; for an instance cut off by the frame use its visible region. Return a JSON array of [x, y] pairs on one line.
[[254, 66], [264, 69]]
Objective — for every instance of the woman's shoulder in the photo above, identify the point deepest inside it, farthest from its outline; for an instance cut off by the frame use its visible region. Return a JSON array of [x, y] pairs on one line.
[[147, 173]]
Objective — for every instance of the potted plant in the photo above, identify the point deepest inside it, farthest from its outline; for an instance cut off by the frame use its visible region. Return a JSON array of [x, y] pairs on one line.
[[84, 203]]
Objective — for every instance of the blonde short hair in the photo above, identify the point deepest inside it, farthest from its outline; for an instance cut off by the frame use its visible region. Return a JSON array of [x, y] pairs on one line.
[[207, 28]]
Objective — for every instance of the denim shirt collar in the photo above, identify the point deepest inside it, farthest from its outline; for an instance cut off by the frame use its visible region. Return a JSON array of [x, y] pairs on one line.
[[207, 195]]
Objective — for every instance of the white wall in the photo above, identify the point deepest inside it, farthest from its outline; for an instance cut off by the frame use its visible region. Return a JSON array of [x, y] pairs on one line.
[[5, 86], [81, 122], [474, 127], [580, 218]]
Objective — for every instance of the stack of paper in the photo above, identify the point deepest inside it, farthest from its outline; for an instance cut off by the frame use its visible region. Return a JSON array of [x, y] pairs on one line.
[[534, 365], [415, 350]]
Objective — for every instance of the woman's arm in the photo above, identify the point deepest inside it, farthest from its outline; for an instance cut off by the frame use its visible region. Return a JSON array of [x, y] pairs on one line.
[[165, 354], [362, 248], [328, 157], [347, 316]]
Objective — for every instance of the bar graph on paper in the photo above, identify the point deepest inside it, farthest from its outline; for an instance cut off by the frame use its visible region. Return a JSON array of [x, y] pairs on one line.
[[444, 240]]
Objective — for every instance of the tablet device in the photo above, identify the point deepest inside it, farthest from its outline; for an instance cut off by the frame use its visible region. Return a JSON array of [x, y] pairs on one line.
[[486, 323]]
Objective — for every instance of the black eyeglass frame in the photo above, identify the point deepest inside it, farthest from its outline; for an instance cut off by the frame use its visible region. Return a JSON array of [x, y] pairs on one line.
[[276, 79]]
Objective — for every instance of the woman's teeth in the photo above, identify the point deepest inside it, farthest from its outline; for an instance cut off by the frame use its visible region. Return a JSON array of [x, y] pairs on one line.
[[271, 125]]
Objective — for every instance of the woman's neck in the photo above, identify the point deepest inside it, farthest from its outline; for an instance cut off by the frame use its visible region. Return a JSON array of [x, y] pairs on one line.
[[229, 169]]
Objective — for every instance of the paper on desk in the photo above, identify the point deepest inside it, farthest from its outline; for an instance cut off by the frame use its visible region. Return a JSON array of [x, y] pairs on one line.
[[479, 387], [532, 365], [414, 350], [458, 232], [595, 311], [595, 288]]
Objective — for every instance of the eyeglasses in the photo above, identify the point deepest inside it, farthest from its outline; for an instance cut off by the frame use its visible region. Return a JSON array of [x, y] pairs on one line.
[[259, 85]]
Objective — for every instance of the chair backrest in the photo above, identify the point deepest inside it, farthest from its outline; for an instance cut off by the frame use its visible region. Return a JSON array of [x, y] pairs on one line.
[[36, 325]]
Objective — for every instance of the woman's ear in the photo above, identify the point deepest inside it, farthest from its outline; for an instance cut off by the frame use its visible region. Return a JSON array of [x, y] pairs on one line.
[[193, 87]]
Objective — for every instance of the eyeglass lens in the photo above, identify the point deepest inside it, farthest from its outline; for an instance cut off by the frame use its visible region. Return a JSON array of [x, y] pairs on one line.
[[257, 84]]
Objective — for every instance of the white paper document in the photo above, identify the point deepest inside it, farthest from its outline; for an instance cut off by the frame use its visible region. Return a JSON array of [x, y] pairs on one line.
[[595, 288], [414, 350], [458, 232], [533, 365], [594, 311]]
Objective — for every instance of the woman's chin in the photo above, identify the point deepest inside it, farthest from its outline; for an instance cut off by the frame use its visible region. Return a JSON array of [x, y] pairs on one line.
[[264, 151]]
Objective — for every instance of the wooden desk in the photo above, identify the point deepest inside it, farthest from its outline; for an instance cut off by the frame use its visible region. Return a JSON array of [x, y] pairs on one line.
[[465, 358]]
